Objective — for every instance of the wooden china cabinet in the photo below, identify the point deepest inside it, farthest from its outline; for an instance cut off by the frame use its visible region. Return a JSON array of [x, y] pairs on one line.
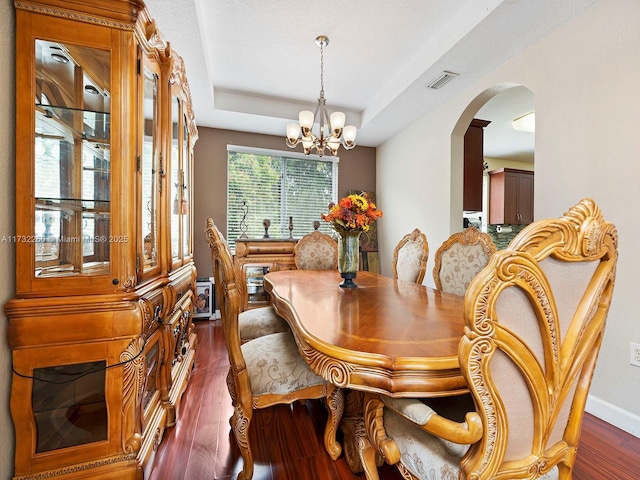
[[101, 324]]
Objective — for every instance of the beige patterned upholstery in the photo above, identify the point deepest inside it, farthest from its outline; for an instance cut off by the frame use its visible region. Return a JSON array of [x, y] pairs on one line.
[[316, 251], [255, 322], [410, 257], [535, 318], [260, 321], [275, 366], [267, 370], [460, 258]]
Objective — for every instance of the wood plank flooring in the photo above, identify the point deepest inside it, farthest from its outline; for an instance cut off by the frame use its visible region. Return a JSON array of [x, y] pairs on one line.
[[287, 440]]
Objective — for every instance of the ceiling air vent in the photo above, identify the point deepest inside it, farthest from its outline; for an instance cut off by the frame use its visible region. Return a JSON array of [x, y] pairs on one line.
[[441, 80]]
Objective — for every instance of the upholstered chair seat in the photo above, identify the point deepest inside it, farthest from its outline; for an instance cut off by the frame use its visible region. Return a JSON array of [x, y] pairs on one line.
[[260, 321], [276, 367], [534, 322], [316, 251], [410, 257], [460, 258], [424, 455]]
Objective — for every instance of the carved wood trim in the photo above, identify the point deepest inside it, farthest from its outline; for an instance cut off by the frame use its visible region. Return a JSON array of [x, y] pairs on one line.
[[415, 236], [78, 17], [132, 386], [82, 467], [334, 371]]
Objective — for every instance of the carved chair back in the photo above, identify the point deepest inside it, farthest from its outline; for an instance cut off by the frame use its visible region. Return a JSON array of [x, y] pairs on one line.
[[316, 251], [226, 292], [410, 257], [460, 258], [535, 320]]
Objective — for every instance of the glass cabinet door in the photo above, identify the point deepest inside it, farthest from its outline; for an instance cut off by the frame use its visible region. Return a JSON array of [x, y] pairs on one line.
[[179, 184], [149, 168], [72, 160], [175, 180], [256, 294], [186, 218]]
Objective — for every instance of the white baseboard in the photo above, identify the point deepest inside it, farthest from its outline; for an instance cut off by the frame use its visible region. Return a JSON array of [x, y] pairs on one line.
[[614, 415]]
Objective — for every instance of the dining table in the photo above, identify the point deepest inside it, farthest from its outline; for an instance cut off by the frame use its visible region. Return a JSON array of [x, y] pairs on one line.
[[385, 336]]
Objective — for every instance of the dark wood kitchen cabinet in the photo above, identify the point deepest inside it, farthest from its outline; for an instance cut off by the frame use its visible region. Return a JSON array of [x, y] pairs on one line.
[[510, 197], [473, 165]]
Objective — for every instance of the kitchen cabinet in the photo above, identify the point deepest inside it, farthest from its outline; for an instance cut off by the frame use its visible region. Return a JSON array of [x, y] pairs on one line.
[[473, 165], [510, 196], [100, 327], [254, 258]]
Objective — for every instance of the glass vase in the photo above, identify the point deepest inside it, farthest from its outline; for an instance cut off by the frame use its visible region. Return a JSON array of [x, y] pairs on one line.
[[348, 257]]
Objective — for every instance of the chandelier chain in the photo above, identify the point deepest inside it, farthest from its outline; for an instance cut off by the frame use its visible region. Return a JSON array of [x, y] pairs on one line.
[[322, 69]]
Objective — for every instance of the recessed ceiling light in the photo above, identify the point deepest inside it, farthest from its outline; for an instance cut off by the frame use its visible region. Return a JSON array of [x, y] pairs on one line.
[[59, 58], [525, 123], [91, 89]]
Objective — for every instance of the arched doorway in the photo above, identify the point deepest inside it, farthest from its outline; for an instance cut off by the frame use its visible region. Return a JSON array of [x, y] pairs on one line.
[[504, 147]]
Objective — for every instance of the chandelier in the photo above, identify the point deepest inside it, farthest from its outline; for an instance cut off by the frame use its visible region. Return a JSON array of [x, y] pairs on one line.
[[332, 130]]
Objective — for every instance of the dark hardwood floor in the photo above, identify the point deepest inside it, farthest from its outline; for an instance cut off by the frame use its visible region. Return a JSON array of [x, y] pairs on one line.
[[287, 440]]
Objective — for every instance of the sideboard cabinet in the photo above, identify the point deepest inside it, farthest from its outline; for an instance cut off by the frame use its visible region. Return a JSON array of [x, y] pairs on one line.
[[101, 327], [254, 258]]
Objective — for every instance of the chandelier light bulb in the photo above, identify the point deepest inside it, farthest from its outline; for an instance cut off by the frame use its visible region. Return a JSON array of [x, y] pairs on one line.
[[337, 123], [293, 131], [334, 145], [307, 143], [349, 136], [306, 119]]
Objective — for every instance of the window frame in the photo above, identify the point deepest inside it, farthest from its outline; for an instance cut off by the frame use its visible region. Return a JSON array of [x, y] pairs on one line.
[[286, 156]]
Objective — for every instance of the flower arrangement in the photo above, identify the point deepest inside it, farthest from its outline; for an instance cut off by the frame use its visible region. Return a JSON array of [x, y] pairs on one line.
[[352, 213]]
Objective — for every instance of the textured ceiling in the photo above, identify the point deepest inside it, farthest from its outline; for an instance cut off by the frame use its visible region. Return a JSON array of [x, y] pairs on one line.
[[253, 64]]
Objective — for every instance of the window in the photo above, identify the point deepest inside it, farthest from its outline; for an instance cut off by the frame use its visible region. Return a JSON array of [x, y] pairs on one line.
[[274, 185]]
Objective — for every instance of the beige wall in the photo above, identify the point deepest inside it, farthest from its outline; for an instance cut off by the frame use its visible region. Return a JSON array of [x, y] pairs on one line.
[[584, 76], [7, 224], [356, 171]]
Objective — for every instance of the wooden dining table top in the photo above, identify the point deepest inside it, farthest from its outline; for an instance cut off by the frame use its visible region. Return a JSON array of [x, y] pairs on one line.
[[387, 336]]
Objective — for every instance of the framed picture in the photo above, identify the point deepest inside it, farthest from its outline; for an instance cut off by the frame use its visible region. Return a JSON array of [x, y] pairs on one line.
[[204, 303]]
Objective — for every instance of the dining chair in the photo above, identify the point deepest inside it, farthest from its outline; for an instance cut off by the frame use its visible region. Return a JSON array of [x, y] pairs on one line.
[[316, 251], [460, 258], [535, 318], [255, 322], [410, 257], [267, 370]]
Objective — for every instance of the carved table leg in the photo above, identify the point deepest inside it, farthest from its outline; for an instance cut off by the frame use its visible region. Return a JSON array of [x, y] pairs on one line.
[[360, 455]]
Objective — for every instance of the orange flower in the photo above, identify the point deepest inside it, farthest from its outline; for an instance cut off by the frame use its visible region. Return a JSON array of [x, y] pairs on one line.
[[354, 212]]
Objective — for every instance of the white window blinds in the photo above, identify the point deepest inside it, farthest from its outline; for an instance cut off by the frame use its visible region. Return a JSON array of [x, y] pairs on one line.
[[275, 185]]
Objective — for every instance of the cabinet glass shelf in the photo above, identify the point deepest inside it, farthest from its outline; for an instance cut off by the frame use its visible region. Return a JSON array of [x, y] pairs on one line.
[[72, 169]]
